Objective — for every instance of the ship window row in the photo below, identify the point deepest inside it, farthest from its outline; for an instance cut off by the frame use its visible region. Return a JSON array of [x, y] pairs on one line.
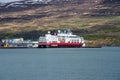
[[74, 40], [68, 37], [74, 37], [42, 40]]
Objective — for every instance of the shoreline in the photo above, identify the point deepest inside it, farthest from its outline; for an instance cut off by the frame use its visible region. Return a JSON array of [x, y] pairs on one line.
[[46, 48]]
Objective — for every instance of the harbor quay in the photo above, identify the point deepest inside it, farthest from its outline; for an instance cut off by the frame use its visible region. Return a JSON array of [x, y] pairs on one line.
[[56, 39], [18, 43]]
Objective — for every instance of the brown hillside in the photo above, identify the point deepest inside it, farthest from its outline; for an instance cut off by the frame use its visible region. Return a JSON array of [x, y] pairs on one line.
[[67, 14]]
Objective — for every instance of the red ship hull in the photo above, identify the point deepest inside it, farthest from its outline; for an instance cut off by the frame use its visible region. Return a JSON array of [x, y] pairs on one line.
[[55, 44]]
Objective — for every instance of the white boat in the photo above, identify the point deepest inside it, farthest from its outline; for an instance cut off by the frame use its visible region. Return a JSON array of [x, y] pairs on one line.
[[61, 39]]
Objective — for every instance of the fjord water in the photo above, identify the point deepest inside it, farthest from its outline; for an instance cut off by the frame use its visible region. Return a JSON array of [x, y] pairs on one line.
[[60, 64]]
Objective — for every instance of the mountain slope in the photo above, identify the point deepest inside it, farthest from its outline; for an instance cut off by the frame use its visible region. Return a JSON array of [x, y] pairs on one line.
[[36, 16], [28, 15]]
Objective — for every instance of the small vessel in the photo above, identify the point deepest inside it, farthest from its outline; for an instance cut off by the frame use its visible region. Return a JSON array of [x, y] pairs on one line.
[[60, 39]]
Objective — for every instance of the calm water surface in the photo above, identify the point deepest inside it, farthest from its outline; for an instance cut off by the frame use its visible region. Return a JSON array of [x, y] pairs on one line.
[[60, 64]]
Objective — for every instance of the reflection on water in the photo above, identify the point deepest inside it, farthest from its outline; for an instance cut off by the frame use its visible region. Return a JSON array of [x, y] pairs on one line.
[[60, 64]]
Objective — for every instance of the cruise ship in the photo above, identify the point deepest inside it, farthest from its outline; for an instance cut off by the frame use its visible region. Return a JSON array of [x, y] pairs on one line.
[[60, 39]]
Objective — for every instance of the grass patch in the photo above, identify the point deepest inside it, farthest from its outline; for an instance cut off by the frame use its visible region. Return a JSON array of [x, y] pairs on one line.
[[99, 36], [93, 37], [102, 40], [112, 30]]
